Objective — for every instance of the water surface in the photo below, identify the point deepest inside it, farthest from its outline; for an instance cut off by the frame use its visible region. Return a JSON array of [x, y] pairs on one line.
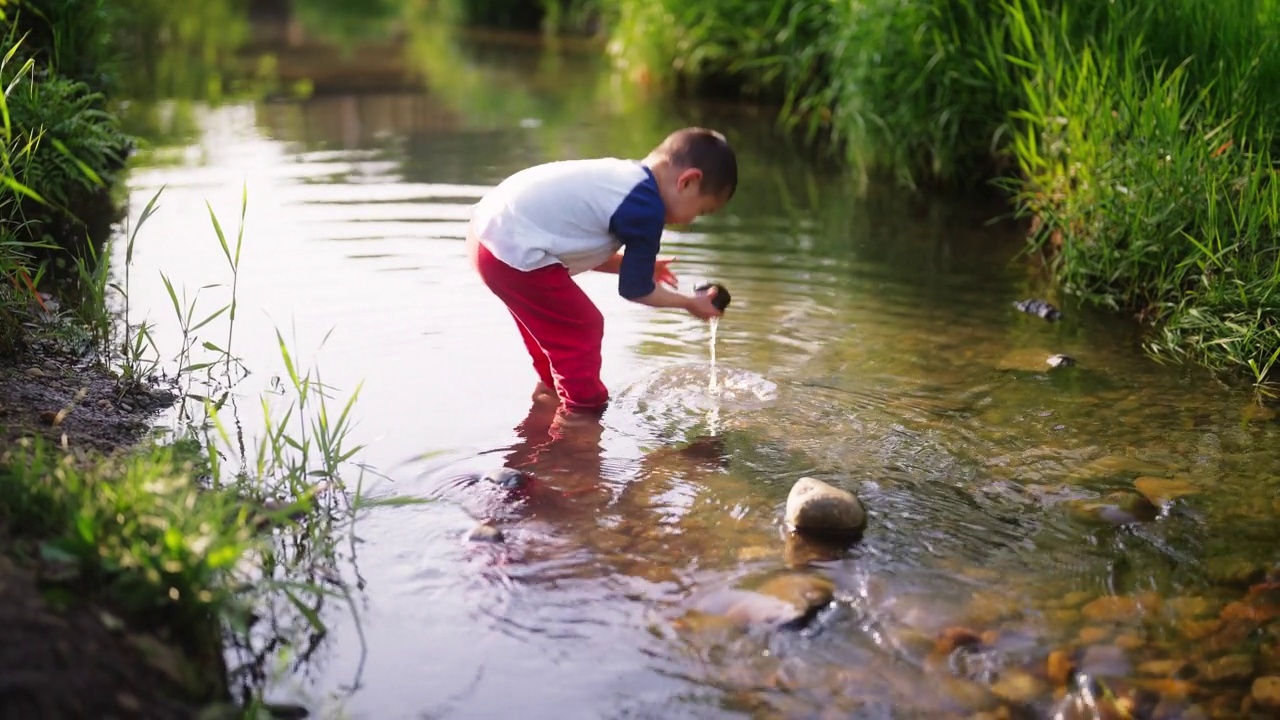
[[871, 342]]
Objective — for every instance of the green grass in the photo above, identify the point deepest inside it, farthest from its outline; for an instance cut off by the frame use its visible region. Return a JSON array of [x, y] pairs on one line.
[[1139, 137]]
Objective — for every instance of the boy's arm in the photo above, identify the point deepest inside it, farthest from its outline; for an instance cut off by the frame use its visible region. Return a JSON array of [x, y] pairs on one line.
[[612, 265]]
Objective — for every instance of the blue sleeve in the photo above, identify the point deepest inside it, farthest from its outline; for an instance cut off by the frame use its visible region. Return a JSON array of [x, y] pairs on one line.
[[638, 224]]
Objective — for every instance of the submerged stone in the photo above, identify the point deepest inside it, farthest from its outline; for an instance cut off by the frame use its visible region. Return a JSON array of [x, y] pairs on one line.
[[1161, 490], [1031, 360], [1060, 361], [1106, 661], [800, 551], [1228, 668], [1191, 607], [485, 533], [788, 602], [1019, 686], [1235, 570], [1039, 308], [816, 508], [1059, 668], [1118, 508], [507, 478], [1266, 693], [1113, 608]]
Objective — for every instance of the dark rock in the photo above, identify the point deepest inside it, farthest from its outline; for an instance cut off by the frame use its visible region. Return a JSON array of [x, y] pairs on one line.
[[722, 297], [508, 478], [1039, 308]]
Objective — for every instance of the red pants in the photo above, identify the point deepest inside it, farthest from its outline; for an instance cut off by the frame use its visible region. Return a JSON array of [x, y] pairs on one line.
[[561, 327]]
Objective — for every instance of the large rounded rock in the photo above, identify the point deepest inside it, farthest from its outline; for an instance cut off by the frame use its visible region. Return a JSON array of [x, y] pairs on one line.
[[816, 508]]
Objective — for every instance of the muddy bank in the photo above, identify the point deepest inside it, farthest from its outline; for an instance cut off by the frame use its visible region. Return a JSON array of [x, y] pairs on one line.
[[62, 655]]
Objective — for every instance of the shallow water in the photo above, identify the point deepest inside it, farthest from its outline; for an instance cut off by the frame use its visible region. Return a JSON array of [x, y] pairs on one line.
[[872, 342]]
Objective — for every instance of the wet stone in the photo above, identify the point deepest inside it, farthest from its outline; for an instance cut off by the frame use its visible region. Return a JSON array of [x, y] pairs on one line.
[[507, 478], [1113, 608], [1228, 668], [1119, 508], [1235, 571], [1266, 693], [1060, 361], [800, 551], [1030, 360], [1250, 612], [787, 601], [1190, 607], [485, 533], [1168, 688], [1059, 668], [756, 553], [1040, 308], [1199, 629], [1018, 686], [1105, 660], [1093, 634], [1162, 668], [1161, 490], [816, 508], [1076, 598], [1130, 641], [1062, 617], [956, 637]]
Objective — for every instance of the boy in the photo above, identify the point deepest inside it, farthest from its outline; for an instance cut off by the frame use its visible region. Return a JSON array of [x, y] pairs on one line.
[[541, 226]]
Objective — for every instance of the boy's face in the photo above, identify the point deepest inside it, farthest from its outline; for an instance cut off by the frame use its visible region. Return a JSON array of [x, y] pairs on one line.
[[685, 200]]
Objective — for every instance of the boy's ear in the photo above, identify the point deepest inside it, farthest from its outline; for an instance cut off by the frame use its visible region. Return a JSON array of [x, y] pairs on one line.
[[687, 177]]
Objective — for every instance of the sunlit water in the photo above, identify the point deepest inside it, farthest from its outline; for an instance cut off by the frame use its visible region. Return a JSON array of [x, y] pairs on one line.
[[871, 343]]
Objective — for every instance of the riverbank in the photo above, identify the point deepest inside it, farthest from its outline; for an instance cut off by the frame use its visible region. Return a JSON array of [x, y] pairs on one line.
[[73, 647], [132, 558]]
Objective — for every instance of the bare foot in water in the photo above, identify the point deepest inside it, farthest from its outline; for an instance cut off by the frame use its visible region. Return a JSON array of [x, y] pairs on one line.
[[542, 393]]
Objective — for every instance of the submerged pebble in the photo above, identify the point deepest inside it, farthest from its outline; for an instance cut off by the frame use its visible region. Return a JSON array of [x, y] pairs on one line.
[[507, 478], [788, 601], [485, 533], [1060, 361], [1117, 508], [1266, 693], [1039, 308]]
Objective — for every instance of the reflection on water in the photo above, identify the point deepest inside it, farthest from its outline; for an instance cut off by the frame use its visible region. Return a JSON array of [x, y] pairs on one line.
[[871, 342]]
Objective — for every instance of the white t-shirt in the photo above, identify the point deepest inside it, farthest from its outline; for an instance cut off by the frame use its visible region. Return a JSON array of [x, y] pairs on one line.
[[577, 213]]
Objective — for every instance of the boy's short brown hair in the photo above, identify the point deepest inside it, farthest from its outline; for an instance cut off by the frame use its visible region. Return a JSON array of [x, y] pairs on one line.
[[705, 150]]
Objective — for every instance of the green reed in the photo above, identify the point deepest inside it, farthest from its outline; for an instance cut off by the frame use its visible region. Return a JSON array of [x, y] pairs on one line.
[[1138, 137]]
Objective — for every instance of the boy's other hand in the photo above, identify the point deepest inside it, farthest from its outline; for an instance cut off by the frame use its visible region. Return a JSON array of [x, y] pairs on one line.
[[662, 272], [700, 305]]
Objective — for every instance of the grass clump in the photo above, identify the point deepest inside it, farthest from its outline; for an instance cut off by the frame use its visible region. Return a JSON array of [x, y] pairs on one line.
[[137, 533]]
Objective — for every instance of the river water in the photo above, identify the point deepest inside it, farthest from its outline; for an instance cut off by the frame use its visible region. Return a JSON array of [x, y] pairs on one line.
[[871, 342]]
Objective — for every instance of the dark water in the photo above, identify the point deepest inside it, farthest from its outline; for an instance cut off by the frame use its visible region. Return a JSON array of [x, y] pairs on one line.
[[871, 342]]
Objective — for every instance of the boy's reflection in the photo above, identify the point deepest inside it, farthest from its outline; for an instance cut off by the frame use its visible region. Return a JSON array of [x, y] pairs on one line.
[[561, 454]]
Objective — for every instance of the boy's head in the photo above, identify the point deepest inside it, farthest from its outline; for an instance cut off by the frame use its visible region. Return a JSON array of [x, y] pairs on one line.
[[697, 173]]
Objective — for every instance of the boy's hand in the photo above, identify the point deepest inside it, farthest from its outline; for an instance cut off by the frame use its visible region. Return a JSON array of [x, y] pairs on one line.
[[662, 272], [700, 305]]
